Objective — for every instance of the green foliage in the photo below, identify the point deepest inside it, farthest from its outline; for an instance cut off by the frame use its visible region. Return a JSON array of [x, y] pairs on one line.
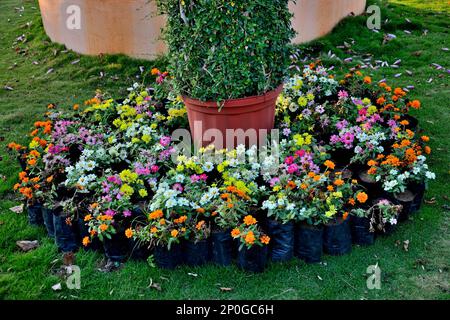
[[220, 49]]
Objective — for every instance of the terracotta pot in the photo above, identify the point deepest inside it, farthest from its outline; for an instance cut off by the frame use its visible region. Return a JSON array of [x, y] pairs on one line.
[[257, 112]]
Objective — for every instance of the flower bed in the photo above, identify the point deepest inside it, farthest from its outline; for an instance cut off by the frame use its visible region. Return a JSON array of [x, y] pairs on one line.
[[350, 164]]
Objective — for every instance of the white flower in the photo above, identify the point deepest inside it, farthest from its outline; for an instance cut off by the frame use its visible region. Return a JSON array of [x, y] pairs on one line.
[[208, 166], [389, 185], [393, 221], [290, 207], [430, 175], [171, 203], [269, 205]]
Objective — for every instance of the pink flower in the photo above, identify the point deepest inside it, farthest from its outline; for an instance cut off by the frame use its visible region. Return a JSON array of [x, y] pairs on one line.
[[165, 141], [289, 160], [342, 94], [154, 168], [110, 212], [292, 168], [300, 153], [178, 187]]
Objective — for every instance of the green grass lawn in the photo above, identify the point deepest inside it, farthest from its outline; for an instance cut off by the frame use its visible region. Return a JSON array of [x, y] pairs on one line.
[[421, 272]]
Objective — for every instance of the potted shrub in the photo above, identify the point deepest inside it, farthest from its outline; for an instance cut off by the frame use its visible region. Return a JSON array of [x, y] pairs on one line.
[[252, 254], [228, 61], [384, 216]]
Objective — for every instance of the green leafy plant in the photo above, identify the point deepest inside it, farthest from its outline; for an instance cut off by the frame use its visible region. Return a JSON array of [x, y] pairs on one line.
[[221, 49]]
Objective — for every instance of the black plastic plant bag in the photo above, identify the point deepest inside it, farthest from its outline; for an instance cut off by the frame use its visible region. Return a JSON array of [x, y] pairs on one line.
[[308, 242], [196, 253], [253, 259], [116, 248], [65, 236], [168, 259], [221, 248], [48, 217], [83, 230], [337, 239], [138, 250], [35, 215], [361, 235], [281, 247]]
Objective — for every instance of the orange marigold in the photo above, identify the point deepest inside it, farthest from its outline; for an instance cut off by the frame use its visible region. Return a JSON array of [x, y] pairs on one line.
[[265, 239], [235, 233], [362, 197], [250, 237], [174, 233], [86, 241], [249, 220], [329, 164], [129, 233]]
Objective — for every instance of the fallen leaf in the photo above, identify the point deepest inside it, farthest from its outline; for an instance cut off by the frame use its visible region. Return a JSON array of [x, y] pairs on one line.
[[406, 245], [75, 61], [192, 274], [26, 245], [224, 289], [8, 88], [431, 201], [57, 287], [111, 292], [319, 277], [154, 285], [49, 71]]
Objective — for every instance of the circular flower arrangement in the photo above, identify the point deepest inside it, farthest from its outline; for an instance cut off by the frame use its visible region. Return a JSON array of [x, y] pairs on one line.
[[350, 164]]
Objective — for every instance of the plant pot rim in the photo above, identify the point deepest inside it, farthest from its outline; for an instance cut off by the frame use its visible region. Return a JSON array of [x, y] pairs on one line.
[[236, 103]]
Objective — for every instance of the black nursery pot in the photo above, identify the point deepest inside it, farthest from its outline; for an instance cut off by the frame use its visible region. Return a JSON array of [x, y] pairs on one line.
[[373, 188], [65, 235], [196, 253], [48, 217], [337, 239], [35, 215], [168, 259], [116, 248], [406, 200], [308, 242], [360, 227], [419, 190], [139, 251], [281, 246], [253, 259], [221, 248]]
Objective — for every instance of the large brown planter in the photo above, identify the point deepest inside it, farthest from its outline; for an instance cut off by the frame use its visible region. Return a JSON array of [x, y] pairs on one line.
[[250, 115]]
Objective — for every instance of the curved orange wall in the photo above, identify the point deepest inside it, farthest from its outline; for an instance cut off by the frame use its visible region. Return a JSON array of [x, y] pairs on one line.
[[132, 27]]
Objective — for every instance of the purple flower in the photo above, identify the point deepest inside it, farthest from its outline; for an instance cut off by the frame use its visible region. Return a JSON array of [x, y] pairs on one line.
[[334, 139], [110, 212], [127, 213], [274, 181], [320, 109], [306, 113], [348, 138], [286, 131], [342, 124]]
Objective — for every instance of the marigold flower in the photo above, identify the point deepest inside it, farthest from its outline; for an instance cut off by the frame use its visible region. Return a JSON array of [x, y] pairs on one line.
[[86, 241], [49, 179], [103, 227], [129, 233], [415, 104], [22, 175], [425, 138], [200, 224], [329, 164], [174, 233], [235, 233], [265, 239], [303, 186], [291, 185], [345, 215], [330, 188], [154, 230], [368, 80], [249, 220], [372, 170], [362, 197], [351, 201], [156, 214], [88, 217], [155, 71], [162, 222], [225, 196], [339, 182], [427, 150], [250, 237], [200, 210], [32, 162]]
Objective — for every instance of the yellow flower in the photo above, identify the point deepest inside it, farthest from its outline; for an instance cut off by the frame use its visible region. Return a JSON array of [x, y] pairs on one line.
[[310, 96], [143, 193], [127, 190], [302, 101]]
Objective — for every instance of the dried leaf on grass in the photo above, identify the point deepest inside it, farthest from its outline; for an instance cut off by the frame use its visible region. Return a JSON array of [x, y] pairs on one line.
[[26, 245]]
